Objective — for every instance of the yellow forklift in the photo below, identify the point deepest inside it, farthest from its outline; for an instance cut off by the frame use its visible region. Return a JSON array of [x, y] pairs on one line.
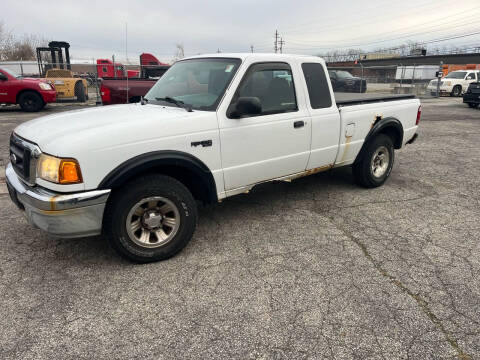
[[54, 65]]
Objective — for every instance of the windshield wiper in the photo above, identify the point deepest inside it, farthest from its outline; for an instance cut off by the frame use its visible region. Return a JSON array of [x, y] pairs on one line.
[[178, 103]]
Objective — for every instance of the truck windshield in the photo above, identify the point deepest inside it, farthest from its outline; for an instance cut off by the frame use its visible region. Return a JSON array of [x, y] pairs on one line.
[[456, 75], [11, 73], [198, 83]]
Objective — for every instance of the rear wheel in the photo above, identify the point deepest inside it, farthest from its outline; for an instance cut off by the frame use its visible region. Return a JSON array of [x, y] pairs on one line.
[[150, 219], [80, 92], [457, 91], [375, 166], [31, 101]]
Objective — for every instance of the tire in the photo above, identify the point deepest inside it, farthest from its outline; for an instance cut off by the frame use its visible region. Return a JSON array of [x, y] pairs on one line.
[[79, 92], [31, 101], [379, 154], [142, 206], [473, 105], [457, 91]]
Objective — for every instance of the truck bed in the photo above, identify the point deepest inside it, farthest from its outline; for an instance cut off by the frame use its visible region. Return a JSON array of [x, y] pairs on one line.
[[347, 99], [117, 89]]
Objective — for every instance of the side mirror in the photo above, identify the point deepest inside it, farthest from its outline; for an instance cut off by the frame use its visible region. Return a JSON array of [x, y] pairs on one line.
[[3, 77], [245, 106]]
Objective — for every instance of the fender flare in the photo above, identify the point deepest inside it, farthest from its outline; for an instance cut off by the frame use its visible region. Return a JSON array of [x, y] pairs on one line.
[[389, 123], [156, 160]]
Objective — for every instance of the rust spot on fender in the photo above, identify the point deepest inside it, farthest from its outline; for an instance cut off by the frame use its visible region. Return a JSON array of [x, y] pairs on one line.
[[377, 117], [347, 147], [52, 203]]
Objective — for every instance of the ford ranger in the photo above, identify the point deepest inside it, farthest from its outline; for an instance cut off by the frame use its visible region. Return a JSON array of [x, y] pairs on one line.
[[212, 127]]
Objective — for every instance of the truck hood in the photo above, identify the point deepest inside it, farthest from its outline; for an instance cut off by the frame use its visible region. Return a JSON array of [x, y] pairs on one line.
[[108, 127]]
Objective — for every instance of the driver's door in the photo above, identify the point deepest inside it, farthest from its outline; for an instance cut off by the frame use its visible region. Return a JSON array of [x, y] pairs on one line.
[[273, 143]]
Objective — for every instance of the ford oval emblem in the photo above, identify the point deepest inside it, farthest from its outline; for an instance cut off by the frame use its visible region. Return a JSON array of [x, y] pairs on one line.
[[13, 158]]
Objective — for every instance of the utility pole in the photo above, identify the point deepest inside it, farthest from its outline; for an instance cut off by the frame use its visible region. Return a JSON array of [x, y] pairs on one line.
[[251, 48], [276, 41], [281, 45]]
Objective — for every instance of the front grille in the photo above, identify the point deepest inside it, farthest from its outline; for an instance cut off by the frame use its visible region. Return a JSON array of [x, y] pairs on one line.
[[23, 156]]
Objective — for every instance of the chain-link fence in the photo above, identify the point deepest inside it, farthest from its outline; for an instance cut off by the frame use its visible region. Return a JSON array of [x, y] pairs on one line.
[[108, 82], [419, 80]]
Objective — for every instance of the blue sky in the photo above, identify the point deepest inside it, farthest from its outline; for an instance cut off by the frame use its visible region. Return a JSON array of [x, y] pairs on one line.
[[97, 28]]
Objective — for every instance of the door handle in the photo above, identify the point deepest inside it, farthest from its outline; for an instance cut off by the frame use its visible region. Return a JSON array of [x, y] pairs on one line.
[[298, 124]]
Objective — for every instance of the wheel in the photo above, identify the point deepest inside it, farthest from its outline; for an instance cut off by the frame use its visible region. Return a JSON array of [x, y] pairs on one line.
[[473, 105], [150, 219], [80, 91], [375, 166], [31, 101], [457, 90]]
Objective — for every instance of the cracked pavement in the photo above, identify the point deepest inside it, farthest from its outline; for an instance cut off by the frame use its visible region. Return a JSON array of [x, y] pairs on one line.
[[313, 269]]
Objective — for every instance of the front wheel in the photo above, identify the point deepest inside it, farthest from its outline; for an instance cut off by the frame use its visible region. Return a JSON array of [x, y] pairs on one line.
[[375, 166], [31, 101], [150, 219], [457, 91]]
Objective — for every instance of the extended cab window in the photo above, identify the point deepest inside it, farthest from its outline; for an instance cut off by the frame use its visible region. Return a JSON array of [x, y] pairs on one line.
[[317, 84], [272, 84]]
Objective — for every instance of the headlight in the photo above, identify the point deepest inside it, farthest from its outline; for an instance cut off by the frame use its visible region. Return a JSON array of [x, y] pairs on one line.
[[57, 170], [44, 86], [59, 82]]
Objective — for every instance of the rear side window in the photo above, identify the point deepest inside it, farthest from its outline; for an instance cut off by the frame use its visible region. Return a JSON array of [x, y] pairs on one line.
[[317, 85]]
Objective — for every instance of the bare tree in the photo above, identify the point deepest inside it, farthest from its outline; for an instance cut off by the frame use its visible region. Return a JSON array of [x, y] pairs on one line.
[[14, 48]]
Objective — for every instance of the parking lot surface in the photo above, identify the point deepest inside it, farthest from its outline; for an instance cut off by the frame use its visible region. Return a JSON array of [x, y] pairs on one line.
[[313, 269]]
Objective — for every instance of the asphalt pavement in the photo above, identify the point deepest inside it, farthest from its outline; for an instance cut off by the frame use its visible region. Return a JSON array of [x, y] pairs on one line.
[[314, 269]]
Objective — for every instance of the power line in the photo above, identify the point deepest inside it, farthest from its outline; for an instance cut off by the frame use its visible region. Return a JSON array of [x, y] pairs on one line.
[[396, 48], [456, 24]]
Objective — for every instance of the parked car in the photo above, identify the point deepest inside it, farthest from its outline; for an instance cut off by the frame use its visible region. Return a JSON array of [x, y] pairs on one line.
[[31, 94], [472, 95], [455, 83], [214, 126], [343, 81]]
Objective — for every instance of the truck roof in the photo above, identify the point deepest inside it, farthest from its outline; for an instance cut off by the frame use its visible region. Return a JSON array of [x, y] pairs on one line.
[[261, 56]]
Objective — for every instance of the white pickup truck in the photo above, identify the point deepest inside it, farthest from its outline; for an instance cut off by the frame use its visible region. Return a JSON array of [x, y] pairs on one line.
[[212, 127]]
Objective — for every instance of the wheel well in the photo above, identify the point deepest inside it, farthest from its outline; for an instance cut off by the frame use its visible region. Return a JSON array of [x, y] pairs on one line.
[[394, 134], [28, 90], [198, 186]]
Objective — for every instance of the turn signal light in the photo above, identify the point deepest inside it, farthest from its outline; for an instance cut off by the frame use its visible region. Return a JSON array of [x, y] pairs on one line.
[[69, 172], [58, 170]]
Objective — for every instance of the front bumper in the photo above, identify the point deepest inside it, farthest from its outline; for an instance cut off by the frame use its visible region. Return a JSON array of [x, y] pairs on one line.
[[49, 96], [62, 215], [443, 89]]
